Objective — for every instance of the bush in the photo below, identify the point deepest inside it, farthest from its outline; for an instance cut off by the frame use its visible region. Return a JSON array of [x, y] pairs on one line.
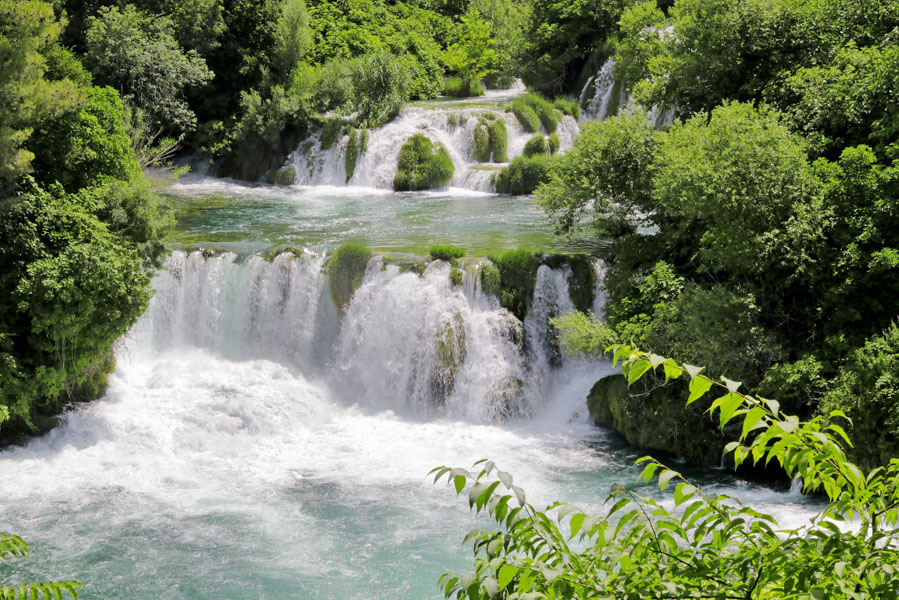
[[867, 390], [457, 87], [499, 140], [422, 165], [490, 280], [554, 143], [481, 143], [346, 269], [450, 254], [380, 87], [535, 145], [330, 132], [526, 115], [456, 276], [524, 174], [572, 109], [518, 276]]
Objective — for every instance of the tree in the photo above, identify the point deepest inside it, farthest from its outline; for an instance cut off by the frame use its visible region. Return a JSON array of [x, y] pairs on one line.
[[473, 56], [138, 55], [27, 29], [706, 546]]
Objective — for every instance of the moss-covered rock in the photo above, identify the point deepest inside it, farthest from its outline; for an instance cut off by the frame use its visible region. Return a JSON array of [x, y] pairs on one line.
[[422, 165], [572, 109], [554, 143], [490, 280], [499, 140], [352, 153], [582, 279], [524, 174], [480, 143], [450, 254], [533, 111], [526, 116], [518, 276], [534, 146], [451, 350], [346, 269], [330, 132], [657, 418], [282, 176], [455, 276]]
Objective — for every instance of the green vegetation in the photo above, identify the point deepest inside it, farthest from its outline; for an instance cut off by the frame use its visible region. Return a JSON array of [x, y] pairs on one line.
[[572, 108], [524, 174], [706, 545], [330, 132], [526, 115], [473, 55], [499, 140], [457, 87], [517, 276], [456, 276], [534, 146], [346, 269], [533, 111], [422, 165], [352, 153], [481, 142], [553, 143], [490, 280], [450, 254]]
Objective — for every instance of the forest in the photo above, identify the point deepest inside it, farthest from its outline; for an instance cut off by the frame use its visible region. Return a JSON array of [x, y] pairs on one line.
[[755, 234]]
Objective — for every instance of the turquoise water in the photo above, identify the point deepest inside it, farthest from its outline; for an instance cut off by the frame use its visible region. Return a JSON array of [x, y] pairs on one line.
[[253, 446]]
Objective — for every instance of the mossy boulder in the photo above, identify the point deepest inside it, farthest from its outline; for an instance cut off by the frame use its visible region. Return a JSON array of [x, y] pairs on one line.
[[518, 277], [524, 174], [499, 140], [282, 176], [330, 132], [451, 351], [352, 153], [456, 276], [422, 165], [581, 280], [554, 143], [657, 418], [534, 146], [533, 111], [450, 254], [491, 283], [481, 143], [346, 269]]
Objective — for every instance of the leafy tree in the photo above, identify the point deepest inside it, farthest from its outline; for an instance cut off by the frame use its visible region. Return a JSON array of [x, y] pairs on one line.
[[507, 19], [12, 546], [707, 545], [473, 56], [137, 54], [28, 29]]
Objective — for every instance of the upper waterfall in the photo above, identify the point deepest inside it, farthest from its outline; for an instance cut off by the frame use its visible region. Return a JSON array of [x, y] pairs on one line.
[[450, 122], [604, 96]]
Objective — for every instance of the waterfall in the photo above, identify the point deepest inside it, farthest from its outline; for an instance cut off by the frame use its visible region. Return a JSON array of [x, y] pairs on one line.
[[413, 344], [603, 97], [452, 123]]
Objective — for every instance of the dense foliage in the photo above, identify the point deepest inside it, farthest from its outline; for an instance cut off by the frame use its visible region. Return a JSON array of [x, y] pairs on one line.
[[422, 165], [694, 543], [346, 269], [79, 225]]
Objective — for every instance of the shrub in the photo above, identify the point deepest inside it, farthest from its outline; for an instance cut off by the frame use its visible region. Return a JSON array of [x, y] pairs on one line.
[[524, 174], [456, 276], [364, 144], [518, 276], [380, 87], [352, 153], [457, 87], [526, 115], [330, 132], [535, 145], [422, 165], [572, 109], [490, 280], [554, 143], [499, 140], [481, 143], [346, 270], [450, 254]]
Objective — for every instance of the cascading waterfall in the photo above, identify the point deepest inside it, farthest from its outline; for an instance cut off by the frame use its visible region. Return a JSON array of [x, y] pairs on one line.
[[413, 344], [451, 124], [607, 98]]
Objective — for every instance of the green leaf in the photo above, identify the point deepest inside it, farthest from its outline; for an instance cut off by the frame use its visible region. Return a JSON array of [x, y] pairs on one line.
[[751, 419], [459, 483], [729, 404], [506, 574], [636, 370], [698, 387], [773, 405], [665, 477], [672, 371]]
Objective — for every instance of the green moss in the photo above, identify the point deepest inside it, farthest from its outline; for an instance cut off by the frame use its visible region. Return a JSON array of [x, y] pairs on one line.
[[518, 276], [499, 140], [451, 351], [330, 132], [283, 176], [364, 139], [656, 418], [526, 116], [457, 87], [490, 280], [422, 165], [352, 153], [450, 254], [452, 119], [524, 174], [346, 270], [582, 283], [572, 109], [535, 145], [481, 143], [554, 143], [455, 276]]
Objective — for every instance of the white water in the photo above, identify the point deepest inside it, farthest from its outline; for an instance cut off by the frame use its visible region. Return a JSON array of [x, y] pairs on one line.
[[603, 103], [255, 445], [451, 123]]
